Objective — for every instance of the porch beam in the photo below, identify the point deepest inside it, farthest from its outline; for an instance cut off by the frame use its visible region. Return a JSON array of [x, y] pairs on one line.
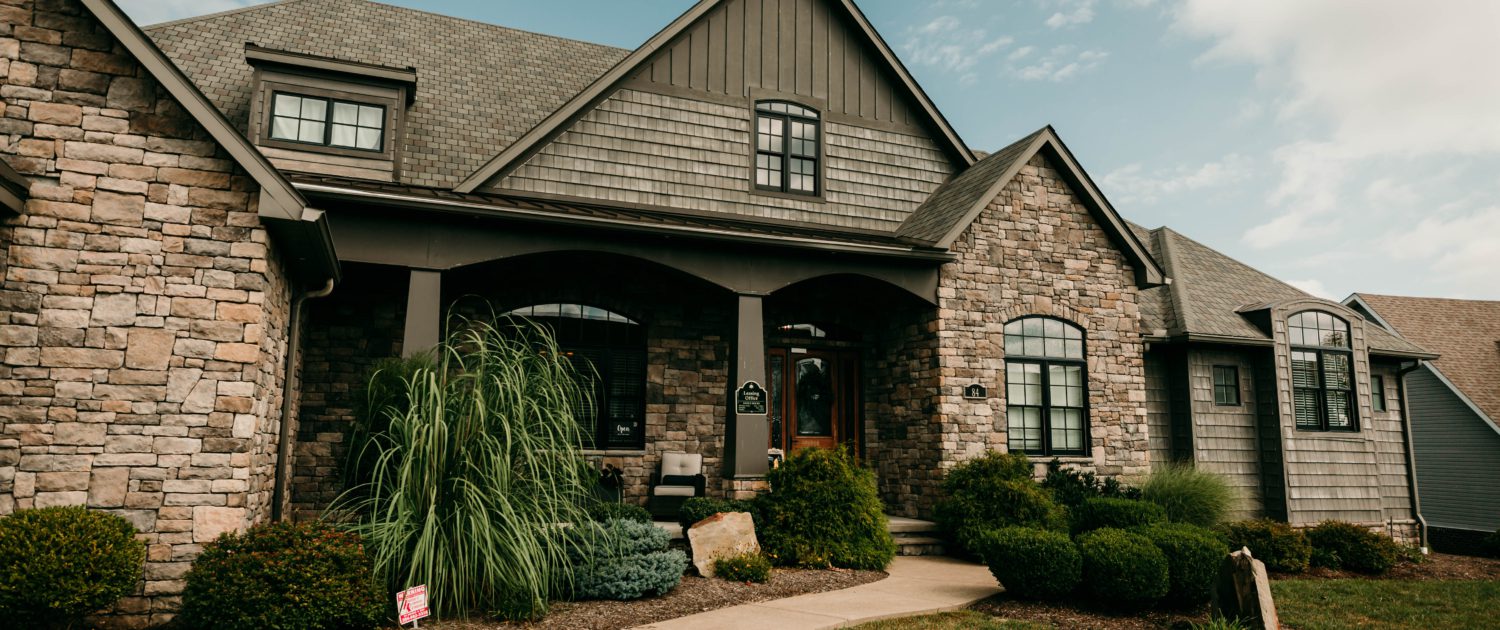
[[749, 433], [424, 312]]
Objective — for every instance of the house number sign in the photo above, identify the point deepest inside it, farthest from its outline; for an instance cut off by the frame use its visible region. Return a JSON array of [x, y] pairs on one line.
[[976, 392], [750, 399]]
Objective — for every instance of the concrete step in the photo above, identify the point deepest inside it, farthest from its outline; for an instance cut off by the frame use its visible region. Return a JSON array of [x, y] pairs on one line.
[[902, 525], [919, 546]]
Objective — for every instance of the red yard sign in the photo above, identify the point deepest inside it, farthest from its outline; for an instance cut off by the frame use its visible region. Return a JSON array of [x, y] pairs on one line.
[[411, 603]]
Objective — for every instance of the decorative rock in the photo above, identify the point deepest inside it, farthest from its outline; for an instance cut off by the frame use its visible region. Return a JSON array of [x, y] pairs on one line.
[[721, 535], [1243, 592]]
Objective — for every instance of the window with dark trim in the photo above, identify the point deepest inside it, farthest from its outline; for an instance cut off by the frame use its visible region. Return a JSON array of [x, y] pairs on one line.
[[786, 148], [1227, 385], [1046, 387], [1322, 372], [1377, 392], [327, 122], [611, 347]]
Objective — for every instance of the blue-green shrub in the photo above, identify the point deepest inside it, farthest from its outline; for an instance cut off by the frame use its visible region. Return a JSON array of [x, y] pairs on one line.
[[1193, 554], [1123, 569], [1117, 513], [626, 560], [1032, 563]]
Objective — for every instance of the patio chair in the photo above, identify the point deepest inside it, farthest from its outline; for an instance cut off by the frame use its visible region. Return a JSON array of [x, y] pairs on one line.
[[681, 478]]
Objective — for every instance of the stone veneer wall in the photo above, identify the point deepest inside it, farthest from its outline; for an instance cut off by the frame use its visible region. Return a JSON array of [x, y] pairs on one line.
[[143, 311], [902, 429], [1036, 250]]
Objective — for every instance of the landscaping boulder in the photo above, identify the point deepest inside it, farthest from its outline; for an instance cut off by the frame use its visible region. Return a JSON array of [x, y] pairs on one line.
[[1243, 592], [720, 536]]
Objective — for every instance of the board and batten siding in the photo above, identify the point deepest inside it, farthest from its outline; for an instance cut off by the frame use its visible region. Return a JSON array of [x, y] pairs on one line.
[[1225, 437], [1390, 447], [1458, 457], [667, 150]]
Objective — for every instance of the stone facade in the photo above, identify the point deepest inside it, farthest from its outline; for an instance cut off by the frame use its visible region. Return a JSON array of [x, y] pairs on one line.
[[143, 310]]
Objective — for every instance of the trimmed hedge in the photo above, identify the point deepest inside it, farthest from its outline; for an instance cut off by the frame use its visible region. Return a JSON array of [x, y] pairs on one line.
[[1342, 545], [606, 510], [1117, 513], [283, 575], [1281, 547], [58, 564], [628, 560], [824, 510], [1123, 569], [1032, 563], [991, 492], [746, 567], [1194, 555]]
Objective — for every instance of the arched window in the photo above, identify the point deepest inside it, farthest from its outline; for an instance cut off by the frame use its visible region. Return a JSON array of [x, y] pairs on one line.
[[1046, 387], [1322, 372], [786, 148], [613, 347]]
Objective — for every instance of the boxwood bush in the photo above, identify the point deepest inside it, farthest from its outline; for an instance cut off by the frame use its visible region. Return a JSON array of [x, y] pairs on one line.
[[1281, 547], [58, 564], [1095, 514], [625, 559], [1032, 563], [1189, 495], [745, 567], [1194, 555], [823, 510], [1343, 545], [1123, 569], [606, 510], [992, 492], [283, 575]]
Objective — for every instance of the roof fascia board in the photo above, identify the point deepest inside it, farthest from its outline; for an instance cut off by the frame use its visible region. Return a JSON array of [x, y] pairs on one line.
[[1354, 300], [553, 125], [1459, 393], [256, 54], [286, 203]]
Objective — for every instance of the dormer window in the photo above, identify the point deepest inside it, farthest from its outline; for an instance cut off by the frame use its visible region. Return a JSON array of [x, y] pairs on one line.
[[787, 148], [327, 122]]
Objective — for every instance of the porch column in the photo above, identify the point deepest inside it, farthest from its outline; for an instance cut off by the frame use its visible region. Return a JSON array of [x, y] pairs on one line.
[[424, 312], [749, 432]]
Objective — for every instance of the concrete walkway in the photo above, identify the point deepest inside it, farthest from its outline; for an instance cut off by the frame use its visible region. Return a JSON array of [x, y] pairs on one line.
[[917, 585]]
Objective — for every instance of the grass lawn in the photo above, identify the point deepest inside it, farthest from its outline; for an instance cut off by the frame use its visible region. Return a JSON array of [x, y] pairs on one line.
[[1357, 603], [963, 619]]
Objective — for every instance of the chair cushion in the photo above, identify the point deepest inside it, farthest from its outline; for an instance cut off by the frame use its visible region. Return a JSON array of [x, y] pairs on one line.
[[674, 491], [681, 464], [679, 480]]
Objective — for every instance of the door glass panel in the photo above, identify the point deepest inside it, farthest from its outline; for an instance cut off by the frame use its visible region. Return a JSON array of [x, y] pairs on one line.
[[814, 398], [777, 371]]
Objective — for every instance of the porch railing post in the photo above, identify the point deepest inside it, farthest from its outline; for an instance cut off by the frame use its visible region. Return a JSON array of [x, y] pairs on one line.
[[749, 432], [424, 312]]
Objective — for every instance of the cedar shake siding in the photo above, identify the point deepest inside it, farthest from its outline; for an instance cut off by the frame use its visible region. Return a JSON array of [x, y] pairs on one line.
[[1225, 439]]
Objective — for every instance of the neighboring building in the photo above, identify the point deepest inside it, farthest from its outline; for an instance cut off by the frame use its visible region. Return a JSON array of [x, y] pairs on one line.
[[1454, 404], [758, 194]]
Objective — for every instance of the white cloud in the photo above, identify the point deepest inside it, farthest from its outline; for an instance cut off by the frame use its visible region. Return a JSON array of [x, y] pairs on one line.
[[1058, 64], [1314, 287], [154, 11], [947, 44], [1131, 184], [1462, 250], [1082, 13]]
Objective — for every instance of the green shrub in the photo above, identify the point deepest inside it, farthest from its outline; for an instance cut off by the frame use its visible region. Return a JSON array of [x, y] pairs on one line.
[[1117, 513], [624, 559], [1123, 569], [824, 510], [606, 510], [991, 492], [1189, 495], [283, 575], [1070, 487], [1282, 548], [1032, 563], [699, 508], [746, 567], [1194, 555], [60, 563], [1337, 544]]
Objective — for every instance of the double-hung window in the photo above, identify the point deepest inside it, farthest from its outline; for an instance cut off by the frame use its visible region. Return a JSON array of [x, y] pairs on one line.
[[1046, 387], [1322, 372], [1227, 385], [327, 122], [786, 148], [1377, 393]]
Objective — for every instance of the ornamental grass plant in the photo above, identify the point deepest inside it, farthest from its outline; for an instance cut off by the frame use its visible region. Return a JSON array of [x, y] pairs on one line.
[[1189, 495], [474, 473]]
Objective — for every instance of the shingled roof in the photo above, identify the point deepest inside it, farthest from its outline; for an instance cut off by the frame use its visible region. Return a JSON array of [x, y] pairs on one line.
[[480, 86], [1208, 290], [1465, 332]]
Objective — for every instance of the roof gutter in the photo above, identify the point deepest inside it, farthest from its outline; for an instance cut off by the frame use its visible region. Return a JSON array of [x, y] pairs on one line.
[[1411, 457], [470, 208]]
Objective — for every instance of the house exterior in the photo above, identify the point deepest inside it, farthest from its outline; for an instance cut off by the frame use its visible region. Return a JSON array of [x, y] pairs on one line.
[[217, 226], [1454, 402]]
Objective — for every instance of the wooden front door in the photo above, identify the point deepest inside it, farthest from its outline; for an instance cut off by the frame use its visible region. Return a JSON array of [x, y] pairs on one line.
[[813, 397]]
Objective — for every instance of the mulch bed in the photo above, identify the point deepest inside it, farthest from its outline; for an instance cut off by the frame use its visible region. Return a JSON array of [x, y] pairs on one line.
[[1435, 566], [695, 594]]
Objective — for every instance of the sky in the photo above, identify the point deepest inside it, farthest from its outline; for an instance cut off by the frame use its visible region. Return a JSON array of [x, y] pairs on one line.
[[1339, 145]]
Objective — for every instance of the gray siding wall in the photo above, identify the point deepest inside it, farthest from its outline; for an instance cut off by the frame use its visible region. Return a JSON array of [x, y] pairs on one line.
[[1158, 409], [1458, 457], [1390, 447], [1225, 438], [667, 150]]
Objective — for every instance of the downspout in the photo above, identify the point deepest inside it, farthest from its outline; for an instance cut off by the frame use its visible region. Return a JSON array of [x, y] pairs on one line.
[[1411, 457], [288, 390]]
